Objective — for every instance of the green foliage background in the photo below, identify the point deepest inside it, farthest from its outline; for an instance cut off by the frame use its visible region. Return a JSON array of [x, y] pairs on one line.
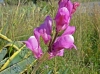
[[17, 24], [15, 2]]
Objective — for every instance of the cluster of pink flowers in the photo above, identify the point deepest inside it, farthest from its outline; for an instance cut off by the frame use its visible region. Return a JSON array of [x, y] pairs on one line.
[[58, 44]]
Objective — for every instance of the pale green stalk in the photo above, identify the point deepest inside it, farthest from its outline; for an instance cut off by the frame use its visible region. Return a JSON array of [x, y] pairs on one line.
[[11, 58], [5, 38], [40, 61]]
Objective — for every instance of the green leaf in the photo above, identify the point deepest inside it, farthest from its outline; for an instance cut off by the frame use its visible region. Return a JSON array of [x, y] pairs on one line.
[[3, 53], [20, 57], [66, 71], [18, 67], [3, 61], [50, 72]]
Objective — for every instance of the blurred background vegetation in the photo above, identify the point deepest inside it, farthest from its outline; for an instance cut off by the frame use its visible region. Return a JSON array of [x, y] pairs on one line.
[[15, 2], [23, 2], [18, 21]]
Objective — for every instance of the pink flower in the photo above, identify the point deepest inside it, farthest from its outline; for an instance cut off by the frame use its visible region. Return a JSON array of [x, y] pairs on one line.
[[64, 14], [44, 30], [69, 5], [62, 19], [69, 31], [56, 53], [75, 6], [58, 44], [32, 44], [66, 3], [65, 41]]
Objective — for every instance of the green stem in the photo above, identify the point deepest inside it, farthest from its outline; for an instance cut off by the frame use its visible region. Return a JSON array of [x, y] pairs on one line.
[[55, 37], [40, 61], [55, 66], [5, 38], [51, 42]]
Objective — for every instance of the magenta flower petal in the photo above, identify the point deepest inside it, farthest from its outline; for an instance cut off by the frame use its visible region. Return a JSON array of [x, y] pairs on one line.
[[62, 18], [75, 6], [69, 5], [69, 30], [60, 52], [56, 53], [64, 42], [66, 3], [37, 34], [44, 30], [32, 44], [39, 52]]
